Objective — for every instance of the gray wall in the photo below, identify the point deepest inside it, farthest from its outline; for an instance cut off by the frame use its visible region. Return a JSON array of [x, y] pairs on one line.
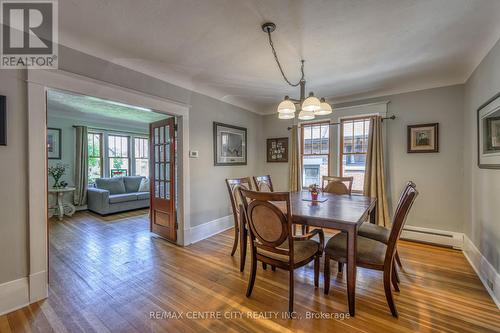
[[481, 187], [437, 175]]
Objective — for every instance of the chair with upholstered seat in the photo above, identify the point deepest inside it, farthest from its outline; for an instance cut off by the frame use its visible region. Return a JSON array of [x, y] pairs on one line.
[[271, 239], [380, 233], [337, 185], [373, 254], [239, 228], [263, 183]]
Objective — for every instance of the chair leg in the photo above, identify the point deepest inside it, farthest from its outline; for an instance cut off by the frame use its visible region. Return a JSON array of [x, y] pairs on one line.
[[273, 268], [316, 271], [243, 248], [327, 274], [341, 267], [264, 266], [290, 292], [388, 291], [235, 243], [394, 278], [398, 259], [253, 273], [396, 274]]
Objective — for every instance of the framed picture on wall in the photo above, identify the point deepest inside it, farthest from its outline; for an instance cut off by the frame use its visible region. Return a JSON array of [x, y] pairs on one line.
[[423, 138], [3, 121], [230, 145], [277, 150], [488, 134], [54, 144]]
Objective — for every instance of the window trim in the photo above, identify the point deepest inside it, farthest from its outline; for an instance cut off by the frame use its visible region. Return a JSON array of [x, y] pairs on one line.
[[341, 143], [302, 154], [128, 137]]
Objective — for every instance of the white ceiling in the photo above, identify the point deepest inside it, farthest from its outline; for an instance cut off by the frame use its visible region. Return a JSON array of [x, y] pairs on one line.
[[352, 48]]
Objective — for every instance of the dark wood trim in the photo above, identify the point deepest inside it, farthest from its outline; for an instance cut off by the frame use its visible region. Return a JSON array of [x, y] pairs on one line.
[[3, 121], [215, 124], [479, 165], [408, 138], [60, 143]]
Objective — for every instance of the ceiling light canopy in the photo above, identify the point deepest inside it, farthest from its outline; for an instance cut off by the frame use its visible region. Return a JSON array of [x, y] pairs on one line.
[[309, 107]]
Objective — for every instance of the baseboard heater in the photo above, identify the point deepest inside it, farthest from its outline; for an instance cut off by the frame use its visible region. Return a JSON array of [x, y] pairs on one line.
[[433, 236]]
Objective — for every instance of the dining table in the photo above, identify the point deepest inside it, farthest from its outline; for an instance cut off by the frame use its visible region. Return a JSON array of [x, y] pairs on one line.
[[340, 212]]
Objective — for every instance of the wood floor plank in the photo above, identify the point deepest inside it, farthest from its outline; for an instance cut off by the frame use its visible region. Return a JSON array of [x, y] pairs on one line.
[[109, 274]]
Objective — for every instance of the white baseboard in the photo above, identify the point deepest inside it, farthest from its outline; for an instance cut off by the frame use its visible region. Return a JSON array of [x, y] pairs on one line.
[[14, 295], [486, 272], [433, 236], [39, 287], [208, 229]]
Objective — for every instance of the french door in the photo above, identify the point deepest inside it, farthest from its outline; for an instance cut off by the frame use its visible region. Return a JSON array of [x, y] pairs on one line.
[[163, 218]]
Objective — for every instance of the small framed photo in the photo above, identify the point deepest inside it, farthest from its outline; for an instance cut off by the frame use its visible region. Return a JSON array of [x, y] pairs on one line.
[[277, 150], [488, 131], [423, 138], [230, 145], [54, 145]]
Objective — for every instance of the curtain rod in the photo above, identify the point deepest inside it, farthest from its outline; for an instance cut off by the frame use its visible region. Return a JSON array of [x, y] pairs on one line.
[[331, 124], [111, 130]]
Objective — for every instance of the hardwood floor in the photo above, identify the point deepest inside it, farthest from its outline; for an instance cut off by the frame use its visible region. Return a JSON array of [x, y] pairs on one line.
[[109, 274]]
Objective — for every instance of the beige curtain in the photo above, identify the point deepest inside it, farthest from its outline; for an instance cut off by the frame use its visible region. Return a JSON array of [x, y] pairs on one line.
[[375, 171], [295, 175], [81, 166]]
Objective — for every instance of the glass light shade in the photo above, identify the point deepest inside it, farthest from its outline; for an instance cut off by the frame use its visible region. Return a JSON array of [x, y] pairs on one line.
[[282, 115], [311, 104], [324, 110], [306, 115], [286, 107]]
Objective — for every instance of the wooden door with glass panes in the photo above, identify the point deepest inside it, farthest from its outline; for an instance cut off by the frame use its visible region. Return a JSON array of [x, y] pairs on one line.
[[162, 183]]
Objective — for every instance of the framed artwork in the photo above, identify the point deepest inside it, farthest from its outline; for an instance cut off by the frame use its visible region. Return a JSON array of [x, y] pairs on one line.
[[230, 145], [277, 150], [3, 121], [488, 132], [54, 145], [423, 138]]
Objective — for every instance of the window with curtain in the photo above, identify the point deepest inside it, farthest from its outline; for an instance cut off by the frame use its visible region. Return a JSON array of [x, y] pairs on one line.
[[141, 156], [315, 152], [95, 167], [353, 149], [118, 155]]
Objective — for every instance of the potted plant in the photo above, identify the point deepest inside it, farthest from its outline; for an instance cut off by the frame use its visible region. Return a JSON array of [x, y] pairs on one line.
[[56, 172], [314, 190]]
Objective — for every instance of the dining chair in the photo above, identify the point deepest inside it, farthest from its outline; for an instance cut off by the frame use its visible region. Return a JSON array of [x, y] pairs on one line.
[[373, 254], [337, 185], [233, 184], [263, 183], [272, 241], [380, 233]]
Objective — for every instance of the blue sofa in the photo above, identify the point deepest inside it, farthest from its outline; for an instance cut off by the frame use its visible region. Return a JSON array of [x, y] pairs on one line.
[[117, 194]]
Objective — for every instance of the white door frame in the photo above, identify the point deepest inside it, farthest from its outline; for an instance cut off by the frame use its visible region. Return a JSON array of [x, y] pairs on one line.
[[38, 82]]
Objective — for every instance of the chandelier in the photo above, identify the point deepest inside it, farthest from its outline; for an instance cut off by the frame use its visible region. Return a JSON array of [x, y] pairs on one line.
[[309, 107]]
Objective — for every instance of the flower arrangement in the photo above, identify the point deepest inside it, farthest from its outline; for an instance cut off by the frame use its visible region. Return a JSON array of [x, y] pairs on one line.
[[56, 172], [314, 190]]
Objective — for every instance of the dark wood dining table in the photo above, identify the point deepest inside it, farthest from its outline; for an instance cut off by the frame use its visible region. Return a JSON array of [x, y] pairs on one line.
[[340, 212]]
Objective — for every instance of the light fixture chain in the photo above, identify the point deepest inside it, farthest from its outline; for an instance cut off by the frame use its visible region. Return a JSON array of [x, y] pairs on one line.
[[279, 64]]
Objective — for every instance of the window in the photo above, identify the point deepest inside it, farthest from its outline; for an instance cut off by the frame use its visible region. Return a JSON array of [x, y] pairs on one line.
[[94, 144], [118, 155], [353, 148], [315, 152], [141, 157]]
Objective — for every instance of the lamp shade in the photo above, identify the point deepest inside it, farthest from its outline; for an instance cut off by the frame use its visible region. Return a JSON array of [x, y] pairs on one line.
[[282, 115], [311, 103], [286, 106], [324, 109], [306, 115]]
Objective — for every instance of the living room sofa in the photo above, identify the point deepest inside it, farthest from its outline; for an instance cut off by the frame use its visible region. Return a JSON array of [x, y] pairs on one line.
[[117, 194]]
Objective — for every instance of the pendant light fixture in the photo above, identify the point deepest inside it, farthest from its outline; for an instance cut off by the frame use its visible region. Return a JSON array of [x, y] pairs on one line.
[[309, 107]]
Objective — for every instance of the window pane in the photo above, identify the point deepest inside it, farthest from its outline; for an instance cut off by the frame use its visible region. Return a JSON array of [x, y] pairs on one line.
[[358, 136], [94, 170], [354, 166], [347, 136], [118, 167], [314, 167], [142, 167], [325, 141]]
